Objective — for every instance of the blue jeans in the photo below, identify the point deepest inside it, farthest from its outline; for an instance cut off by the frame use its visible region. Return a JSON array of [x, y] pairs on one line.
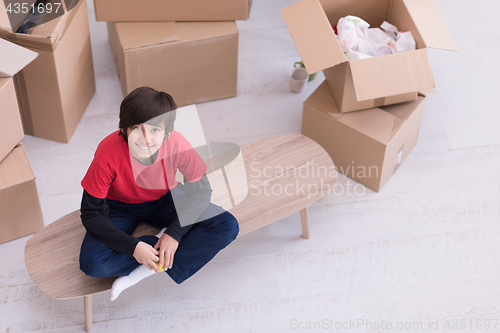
[[195, 249]]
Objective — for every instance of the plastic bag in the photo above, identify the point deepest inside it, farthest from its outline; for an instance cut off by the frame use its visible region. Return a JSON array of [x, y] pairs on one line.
[[405, 42], [35, 17], [351, 30], [358, 41]]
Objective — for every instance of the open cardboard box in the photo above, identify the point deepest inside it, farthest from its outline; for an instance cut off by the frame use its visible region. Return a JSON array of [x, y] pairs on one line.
[[13, 58], [192, 61], [367, 146], [19, 203], [55, 89], [373, 82], [171, 10]]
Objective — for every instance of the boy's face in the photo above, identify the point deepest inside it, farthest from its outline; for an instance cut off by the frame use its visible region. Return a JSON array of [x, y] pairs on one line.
[[144, 140]]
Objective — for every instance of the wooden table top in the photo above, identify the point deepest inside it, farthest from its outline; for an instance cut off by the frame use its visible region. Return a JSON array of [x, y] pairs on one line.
[[284, 174]]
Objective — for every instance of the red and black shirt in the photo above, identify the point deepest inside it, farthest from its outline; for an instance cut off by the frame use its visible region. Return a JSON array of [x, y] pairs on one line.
[[115, 174]]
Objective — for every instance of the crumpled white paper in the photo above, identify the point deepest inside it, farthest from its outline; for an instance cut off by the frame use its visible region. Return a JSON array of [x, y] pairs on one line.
[[358, 41]]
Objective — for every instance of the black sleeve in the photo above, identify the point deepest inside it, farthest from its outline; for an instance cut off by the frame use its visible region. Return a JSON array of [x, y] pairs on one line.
[[176, 231], [198, 195], [94, 215]]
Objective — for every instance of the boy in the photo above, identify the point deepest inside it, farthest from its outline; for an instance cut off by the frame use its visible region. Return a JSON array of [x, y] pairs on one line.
[[132, 179]]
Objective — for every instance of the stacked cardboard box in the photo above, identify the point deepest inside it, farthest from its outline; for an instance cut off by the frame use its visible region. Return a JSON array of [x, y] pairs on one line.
[[19, 204], [55, 89], [171, 10], [192, 61], [377, 138], [367, 146], [13, 58]]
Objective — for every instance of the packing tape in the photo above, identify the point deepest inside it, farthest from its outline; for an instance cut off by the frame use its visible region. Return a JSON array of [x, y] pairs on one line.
[[249, 6], [399, 158], [379, 102], [2, 159], [24, 104], [32, 43], [29, 44]]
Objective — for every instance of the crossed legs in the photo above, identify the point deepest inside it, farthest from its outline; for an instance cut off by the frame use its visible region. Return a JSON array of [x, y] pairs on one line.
[[196, 248]]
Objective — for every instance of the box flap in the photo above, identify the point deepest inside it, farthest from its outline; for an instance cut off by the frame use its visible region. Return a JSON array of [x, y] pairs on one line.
[[322, 99], [375, 123], [427, 92], [45, 37], [13, 58], [313, 35], [404, 110], [49, 28], [429, 21], [135, 35], [4, 17], [392, 74], [15, 168]]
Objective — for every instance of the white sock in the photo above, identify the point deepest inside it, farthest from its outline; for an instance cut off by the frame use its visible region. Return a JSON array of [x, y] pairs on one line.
[[124, 282], [161, 232]]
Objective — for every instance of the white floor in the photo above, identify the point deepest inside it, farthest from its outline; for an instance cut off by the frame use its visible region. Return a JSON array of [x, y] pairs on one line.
[[423, 249]]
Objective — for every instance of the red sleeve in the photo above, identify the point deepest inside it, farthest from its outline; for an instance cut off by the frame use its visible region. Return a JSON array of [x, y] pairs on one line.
[[98, 178], [190, 164]]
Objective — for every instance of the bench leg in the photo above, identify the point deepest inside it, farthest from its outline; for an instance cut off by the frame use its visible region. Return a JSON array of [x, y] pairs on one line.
[[87, 306], [304, 220]]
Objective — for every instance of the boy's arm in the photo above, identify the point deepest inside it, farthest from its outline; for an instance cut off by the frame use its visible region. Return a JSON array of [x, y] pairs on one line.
[[198, 195], [94, 215]]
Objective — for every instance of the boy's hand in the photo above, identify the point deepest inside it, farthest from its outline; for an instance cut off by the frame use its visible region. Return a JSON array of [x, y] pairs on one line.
[[147, 255], [166, 247]]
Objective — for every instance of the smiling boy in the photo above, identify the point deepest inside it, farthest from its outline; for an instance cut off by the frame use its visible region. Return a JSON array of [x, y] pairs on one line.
[[132, 179]]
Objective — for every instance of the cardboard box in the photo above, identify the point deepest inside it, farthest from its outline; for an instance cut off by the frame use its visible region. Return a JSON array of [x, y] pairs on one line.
[[12, 59], [367, 146], [192, 61], [55, 89], [171, 10], [19, 204], [12, 132], [383, 80]]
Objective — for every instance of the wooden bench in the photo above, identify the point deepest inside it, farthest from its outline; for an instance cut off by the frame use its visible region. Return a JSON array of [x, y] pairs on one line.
[[285, 169]]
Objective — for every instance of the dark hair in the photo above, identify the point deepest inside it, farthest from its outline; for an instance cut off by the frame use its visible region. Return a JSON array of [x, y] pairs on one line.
[[147, 105]]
